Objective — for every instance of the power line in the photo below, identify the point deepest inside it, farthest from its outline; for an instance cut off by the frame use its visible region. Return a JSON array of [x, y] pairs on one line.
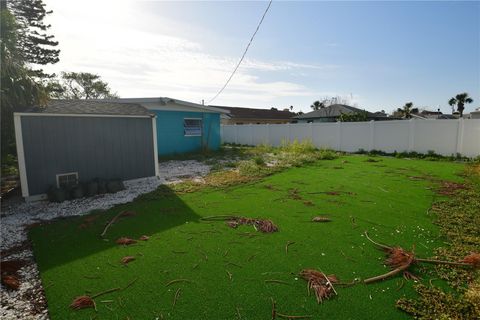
[[244, 53]]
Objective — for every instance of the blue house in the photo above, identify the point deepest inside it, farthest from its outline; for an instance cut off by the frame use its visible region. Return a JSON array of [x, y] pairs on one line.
[[182, 126]]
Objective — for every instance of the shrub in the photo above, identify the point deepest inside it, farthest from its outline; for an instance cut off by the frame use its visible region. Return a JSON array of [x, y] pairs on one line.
[[259, 161], [305, 146], [326, 154]]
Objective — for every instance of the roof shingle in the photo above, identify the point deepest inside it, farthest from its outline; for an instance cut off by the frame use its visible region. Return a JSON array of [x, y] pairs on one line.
[[91, 107]]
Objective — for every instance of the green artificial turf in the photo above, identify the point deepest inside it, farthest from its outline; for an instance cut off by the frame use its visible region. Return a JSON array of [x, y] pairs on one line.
[[381, 197]]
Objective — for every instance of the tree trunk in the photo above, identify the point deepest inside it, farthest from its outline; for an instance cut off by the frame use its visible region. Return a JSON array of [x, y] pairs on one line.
[[460, 108]]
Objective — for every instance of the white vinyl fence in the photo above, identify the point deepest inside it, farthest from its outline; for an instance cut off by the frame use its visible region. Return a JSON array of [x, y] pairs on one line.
[[445, 137]]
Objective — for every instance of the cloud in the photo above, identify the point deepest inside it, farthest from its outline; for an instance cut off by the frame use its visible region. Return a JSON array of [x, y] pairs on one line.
[[136, 62]]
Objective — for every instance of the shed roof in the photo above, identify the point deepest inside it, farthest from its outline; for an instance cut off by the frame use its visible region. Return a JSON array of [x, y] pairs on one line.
[[335, 110], [91, 107], [251, 113]]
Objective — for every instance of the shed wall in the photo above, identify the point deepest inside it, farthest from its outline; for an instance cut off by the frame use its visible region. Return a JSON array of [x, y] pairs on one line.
[[170, 136], [95, 147]]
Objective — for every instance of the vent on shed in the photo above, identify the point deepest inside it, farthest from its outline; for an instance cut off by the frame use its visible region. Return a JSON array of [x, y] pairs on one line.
[[67, 179]]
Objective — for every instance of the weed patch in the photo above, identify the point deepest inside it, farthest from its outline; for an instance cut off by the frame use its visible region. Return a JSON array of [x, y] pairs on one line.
[[459, 221]]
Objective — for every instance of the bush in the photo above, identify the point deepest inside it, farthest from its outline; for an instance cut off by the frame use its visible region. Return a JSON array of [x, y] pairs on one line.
[[259, 161], [327, 154], [305, 146]]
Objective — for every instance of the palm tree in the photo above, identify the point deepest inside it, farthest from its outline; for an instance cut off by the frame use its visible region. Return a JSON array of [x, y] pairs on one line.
[[460, 100], [407, 110], [317, 105]]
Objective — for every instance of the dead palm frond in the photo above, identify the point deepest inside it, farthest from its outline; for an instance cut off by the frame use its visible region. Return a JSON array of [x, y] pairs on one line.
[[473, 259], [321, 219], [11, 282], [144, 238], [82, 302], [125, 260], [125, 241], [263, 225], [400, 260], [321, 284]]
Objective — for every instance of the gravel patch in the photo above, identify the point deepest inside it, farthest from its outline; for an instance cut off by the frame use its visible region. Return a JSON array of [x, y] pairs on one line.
[[28, 302]]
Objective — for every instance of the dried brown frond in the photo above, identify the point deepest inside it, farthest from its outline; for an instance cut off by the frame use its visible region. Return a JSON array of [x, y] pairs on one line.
[[294, 194], [144, 238], [407, 275], [266, 226], [399, 257], [232, 223], [321, 284], [127, 259], [473, 259], [321, 219], [125, 241], [10, 282], [11, 266], [332, 193], [82, 302]]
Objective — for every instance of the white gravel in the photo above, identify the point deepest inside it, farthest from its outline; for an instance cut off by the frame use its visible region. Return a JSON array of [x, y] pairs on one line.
[[29, 302]]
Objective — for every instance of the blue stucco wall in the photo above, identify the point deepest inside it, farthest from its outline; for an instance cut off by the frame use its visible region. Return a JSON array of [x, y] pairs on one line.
[[170, 137]]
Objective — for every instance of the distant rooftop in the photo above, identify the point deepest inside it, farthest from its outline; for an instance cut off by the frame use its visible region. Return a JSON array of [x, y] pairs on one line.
[[334, 111], [91, 107], [251, 113]]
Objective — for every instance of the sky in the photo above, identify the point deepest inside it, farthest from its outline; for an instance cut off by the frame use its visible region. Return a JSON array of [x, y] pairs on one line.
[[378, 55]]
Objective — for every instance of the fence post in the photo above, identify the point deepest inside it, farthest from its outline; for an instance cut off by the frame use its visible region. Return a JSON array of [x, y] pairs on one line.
[[311, 132], [371, 144], [289, 133], [339, 135], [235, 129], [268, 134], [411, 135], [460, 132], [251, 134]]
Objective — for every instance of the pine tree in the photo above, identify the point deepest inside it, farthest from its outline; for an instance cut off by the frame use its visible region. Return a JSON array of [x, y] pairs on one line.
[[36, 45]]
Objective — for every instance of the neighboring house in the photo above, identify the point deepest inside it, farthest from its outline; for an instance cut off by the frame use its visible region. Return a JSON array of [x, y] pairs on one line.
[[255, 116], [427, 114], [80, 140], [475, 114], [182, 126], [332, 112]]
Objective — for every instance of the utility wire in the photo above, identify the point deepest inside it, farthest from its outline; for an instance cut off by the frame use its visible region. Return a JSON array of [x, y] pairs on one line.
[[244, 53]]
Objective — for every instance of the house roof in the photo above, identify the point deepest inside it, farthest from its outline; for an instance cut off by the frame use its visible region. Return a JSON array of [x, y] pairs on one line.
[[164, 100], [91, 107], [251, 113], [334, 111]]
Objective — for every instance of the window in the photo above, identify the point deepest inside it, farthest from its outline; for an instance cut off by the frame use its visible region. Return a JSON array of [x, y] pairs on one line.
[[67, 179], [192, 127]]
